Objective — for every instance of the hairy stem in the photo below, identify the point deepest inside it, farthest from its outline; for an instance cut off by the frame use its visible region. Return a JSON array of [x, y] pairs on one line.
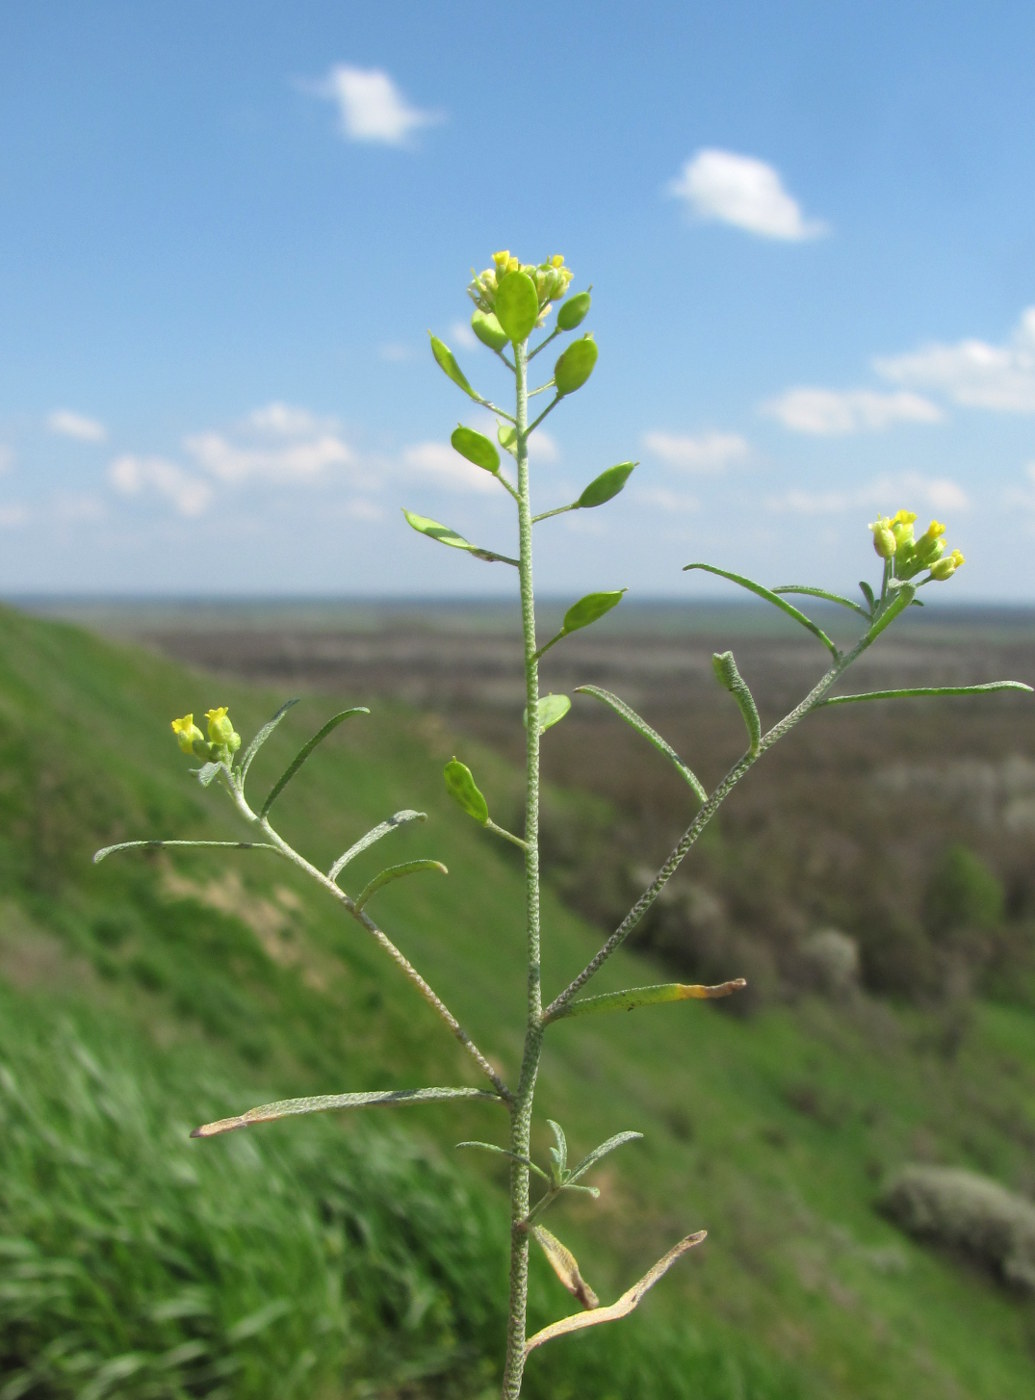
[[521, 1107]]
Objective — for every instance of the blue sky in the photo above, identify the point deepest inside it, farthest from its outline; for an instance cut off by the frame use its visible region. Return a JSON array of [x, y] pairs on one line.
[[228, 227]]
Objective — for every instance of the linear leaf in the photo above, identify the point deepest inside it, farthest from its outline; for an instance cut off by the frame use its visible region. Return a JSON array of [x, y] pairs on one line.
[[642, 728], [396, 872], [725, 668], [158, 845], [625, 1304], [323, 1103], [505, 1152], [396, 820], [822, 593], [591, 1158], [926, 690], [657, 995], [767, 593], [304, 752], [261, 737]]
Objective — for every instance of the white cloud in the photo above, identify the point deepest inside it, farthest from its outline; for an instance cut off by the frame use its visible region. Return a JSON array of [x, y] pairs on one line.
[[133, 476], [370, 106], [277, 443], [285, 420], [79, 510], [972, 372], [443, 465], [671, 502], [460, 333], [395, 351], [74, 425], [828, 413], [13, 517], [885, 494], [740, 190], [705, 455]]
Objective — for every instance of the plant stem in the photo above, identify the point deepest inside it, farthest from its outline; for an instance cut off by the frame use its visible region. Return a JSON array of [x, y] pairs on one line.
[[701, 820], [521, 1106]]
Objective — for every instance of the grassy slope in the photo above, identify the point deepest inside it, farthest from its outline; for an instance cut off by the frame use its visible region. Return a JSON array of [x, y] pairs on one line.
[[773, 1133]]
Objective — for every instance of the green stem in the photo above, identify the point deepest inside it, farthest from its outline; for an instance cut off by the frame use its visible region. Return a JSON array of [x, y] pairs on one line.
[[398, 957], [521, 1106], [703, 817]]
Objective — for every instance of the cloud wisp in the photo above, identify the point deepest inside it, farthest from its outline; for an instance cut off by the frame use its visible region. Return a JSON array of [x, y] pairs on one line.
[[75, 425], [723, 187], [371, 109], [973, 373], [884, 493], [706, 455], [833, 413]]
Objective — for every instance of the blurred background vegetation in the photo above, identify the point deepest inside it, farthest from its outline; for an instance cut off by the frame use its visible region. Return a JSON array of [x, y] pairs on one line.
[[873, 880]]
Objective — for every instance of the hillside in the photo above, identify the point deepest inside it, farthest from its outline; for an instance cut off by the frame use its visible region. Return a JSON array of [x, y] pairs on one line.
[[363, 1257]]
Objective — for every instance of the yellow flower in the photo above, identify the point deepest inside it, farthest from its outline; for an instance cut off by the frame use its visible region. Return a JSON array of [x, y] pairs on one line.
[[947, 565], [884, 541]]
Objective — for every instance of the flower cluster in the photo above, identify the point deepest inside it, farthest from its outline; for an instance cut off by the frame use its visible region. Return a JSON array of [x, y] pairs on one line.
[[223, 740], [894, 539], [551, 280]]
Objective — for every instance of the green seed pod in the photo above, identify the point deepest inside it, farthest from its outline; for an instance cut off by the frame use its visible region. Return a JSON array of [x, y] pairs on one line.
[[517, 305], [461, 786], [446, 361], [476, 448], [488, 330], [573, 312], [575, 366], [552, 709], [589, 608], [605, 486], [507, 435]]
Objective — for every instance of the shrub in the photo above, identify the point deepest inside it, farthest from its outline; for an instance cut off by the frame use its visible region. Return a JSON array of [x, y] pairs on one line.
[[967, 1213]]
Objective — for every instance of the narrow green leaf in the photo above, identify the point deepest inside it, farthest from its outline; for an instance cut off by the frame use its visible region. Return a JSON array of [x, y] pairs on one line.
[[729, 677], [504, 1152], [444, 535], [644, 729], [823, 593], [517, 305], [396, 872], [606, 486], [658, 995], [559, 1152], [575, 366], [463, 789], [446, 361], [393, 823], [260, 738], [323, 1103], [476, 448], [767, 593], [488, 330], [552, 709], [594, 1316], [573, 312], [304, 752], [592, 1158], [867, 593], [926, 690], [158, 845]]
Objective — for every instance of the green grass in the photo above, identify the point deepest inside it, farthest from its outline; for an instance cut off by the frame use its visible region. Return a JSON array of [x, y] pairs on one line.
[[361, 1257]]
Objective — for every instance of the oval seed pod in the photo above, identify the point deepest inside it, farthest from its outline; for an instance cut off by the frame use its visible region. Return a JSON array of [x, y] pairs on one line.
[[605, 486], [461, 786], [446, 361], [488, 330], [573, 312], [507, 435], [590, 608], [517, 305], [476, 448], [575, 366]]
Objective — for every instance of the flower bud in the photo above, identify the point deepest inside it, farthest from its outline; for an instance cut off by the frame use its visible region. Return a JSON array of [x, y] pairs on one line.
[[220, 730], [187, 733], [947, 565], [931, 544], [884, 541]]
